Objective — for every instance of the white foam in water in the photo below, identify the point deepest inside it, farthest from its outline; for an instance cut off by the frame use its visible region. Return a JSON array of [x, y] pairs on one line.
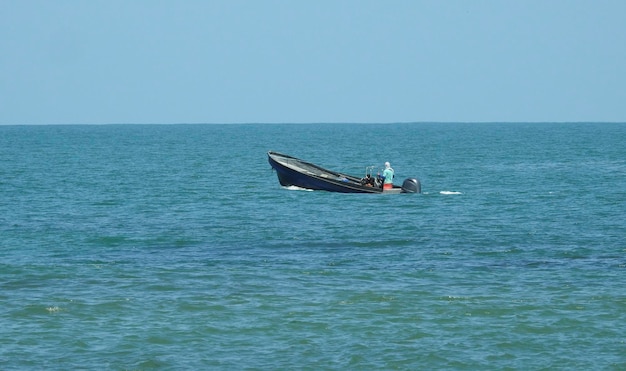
[[296, 188], [450, 193]]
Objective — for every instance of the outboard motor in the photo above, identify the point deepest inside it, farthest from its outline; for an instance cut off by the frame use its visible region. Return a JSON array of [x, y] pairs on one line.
[[411, 185]]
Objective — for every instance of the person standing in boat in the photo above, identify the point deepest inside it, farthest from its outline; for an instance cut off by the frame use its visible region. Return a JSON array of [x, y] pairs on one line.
[[388, 175]]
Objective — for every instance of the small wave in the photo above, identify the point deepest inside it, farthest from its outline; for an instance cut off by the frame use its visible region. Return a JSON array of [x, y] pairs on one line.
[[450, 193], [296, 188]]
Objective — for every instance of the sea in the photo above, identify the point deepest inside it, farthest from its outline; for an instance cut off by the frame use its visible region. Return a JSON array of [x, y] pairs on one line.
[[174, 247]]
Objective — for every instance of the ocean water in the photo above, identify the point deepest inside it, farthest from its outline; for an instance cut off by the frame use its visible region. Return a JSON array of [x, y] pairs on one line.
[[140, 247]]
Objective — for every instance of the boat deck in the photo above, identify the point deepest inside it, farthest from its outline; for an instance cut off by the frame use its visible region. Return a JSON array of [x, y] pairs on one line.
[[310, 169]]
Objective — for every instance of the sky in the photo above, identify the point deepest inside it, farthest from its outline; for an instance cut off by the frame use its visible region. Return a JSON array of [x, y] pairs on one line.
[[299, 61]]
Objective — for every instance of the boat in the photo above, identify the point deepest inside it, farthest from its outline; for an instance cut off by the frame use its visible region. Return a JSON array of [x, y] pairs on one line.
[[292, 171]]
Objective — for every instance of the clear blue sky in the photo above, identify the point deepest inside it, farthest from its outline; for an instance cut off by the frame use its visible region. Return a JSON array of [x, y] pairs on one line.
[[110, 61]]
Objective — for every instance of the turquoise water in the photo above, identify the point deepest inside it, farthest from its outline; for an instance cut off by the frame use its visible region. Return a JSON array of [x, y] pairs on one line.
[[174, 247]]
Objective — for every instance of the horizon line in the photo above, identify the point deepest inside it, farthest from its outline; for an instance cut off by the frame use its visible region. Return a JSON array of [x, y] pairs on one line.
[[317, 123]]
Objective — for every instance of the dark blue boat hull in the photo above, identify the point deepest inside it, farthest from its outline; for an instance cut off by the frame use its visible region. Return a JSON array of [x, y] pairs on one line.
[[317, 179]]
